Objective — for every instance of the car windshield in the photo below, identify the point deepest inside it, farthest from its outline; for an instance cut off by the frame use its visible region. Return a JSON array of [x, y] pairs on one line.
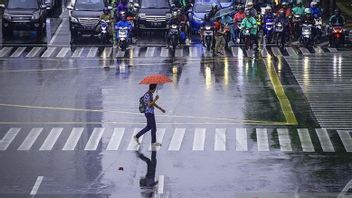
[[202, 7], [22, 4], [155, 4], [89, 5], [225, 1]]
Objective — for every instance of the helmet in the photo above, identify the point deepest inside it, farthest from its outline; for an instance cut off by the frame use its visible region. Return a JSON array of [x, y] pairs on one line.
[[105, 10], [241, 8], [249, 5], [268, 7], [337, 12], [307, 11], [248, 13], [213, 5], [313, 3], [284, 3]]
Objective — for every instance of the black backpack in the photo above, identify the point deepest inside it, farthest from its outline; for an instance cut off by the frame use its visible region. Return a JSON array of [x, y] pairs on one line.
[[142, 106]]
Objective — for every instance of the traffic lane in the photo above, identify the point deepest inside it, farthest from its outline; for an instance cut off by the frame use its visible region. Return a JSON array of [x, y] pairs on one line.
[[212, 89]]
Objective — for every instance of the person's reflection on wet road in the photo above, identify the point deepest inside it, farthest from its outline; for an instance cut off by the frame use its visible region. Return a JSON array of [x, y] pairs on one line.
[[148, 182]]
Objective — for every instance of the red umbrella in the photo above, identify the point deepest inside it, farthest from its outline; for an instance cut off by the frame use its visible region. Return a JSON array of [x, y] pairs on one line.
[[156, 79]]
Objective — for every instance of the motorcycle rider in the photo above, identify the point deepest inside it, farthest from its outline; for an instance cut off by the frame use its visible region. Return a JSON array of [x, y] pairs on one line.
[[206, 22], [106, 16], [125, 23], [284, 20], [251, 9], [121, 7], [237, 19], [213, 11], [184, 24], [315, 10], [285, 9], [173, 21], [309, 20], [298, 9], [250, 23], [336, 20], [268, 13]]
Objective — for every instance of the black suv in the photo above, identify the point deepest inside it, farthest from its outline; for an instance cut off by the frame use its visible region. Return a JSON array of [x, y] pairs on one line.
[[154, 14], [23, 15], [84, 17]]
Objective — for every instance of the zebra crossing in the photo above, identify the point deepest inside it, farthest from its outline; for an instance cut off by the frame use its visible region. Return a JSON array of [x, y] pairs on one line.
[[178, 139], [147, 52]]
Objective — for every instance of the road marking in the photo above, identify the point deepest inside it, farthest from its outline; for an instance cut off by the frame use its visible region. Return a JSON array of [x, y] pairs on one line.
[[177, 139], [306, 141], [106, 53], [120, 54], [276, 51], [333, 50], [159, 138], [193, 51], [220, 140], [325, 141], [135, 52], [63, 52], [241, 139], [346, 139], [262, 139], [115, 139], [30, 139], [51, 139], [8, 138], [150, 52], [5, 51], [236, 52], [179, 53], [94, 139], [77, 53], [284, 139], [48, 52], [57, 31], [92, 52], [199, 139], [18, 52], [73, 139], [318, 50], [264, 52], [133, 146], [36, 185], [291, 51], [161, 181], [34, 52], [304, 51], [164, 52], [280, 93]]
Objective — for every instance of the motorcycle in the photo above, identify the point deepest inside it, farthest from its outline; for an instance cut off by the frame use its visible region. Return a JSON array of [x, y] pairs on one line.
[[174, 36], [296, 24], [122, 36], [227, 35], [104, 33], [208, 36], [247, 38], [268, 29], [280, 35], [318, 27], [306, 37], [337, 36]]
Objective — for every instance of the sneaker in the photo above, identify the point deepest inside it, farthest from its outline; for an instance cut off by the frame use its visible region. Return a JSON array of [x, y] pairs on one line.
[[136, 139], [156, 144]]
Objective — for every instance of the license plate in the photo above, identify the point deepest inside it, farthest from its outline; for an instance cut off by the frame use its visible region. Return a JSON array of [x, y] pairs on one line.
[[89, 27], [157, 24], [208, 33]]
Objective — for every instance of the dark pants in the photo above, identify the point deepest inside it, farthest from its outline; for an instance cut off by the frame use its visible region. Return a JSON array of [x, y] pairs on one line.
[[151, 125]]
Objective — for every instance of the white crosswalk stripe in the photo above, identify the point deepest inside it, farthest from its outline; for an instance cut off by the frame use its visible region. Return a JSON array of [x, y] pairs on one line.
[[193, 52], [18, 52], [51, 139], [199, 139], [291, 51], [133, 146], [30, 139], [306, 141], [304, 51], [159, 138], [94, 139], [8, 138], [164, 52], [241, 139], [346, 139], [73, 139], [92, 52], [63, 52], [236, 52], [333, 50], [276, 51], [78, 52], [318, 50], [34, 52], [120, 54], [284, 139], [5, 51], [116, 139], [262, 139], [220, 140], [177, 138], [150, 52], [48, 52], [179, 53], [106, 52], [325, 141]]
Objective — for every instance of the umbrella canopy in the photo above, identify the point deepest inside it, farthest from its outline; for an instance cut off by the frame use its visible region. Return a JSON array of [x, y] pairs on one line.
[[156, 79]]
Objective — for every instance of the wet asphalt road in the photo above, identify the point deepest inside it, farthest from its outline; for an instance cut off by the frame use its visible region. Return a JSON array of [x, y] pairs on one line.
[[234, 126]]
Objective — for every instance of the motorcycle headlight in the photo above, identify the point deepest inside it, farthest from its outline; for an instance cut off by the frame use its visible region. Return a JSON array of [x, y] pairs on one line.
[[74, 19], [7, 16], [141, 15], [168, 15], [173, 26], [35, 16], [207, 27]]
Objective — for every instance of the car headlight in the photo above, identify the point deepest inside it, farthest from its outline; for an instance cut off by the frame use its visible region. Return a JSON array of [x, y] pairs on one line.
[[74, 19], [6, 16], [35, 16], [141, 15]]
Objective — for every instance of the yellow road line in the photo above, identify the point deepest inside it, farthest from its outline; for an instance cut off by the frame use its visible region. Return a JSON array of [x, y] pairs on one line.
[[280, 93]]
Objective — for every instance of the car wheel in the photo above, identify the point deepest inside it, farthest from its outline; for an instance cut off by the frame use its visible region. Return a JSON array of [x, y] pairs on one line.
[[6, 32]]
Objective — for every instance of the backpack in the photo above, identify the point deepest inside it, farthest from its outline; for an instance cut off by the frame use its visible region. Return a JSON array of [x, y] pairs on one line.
[[142, 106]]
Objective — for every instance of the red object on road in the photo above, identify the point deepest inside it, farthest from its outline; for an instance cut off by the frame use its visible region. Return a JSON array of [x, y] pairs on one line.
[[156, 79]]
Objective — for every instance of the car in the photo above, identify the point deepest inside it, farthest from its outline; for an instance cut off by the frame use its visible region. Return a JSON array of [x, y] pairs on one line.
[[153, 14], [226, 3], [24, 15], [200, 8], [85, 17]]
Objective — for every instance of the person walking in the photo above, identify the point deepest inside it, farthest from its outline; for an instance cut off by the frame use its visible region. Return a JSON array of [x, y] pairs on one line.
[[150, 103]]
